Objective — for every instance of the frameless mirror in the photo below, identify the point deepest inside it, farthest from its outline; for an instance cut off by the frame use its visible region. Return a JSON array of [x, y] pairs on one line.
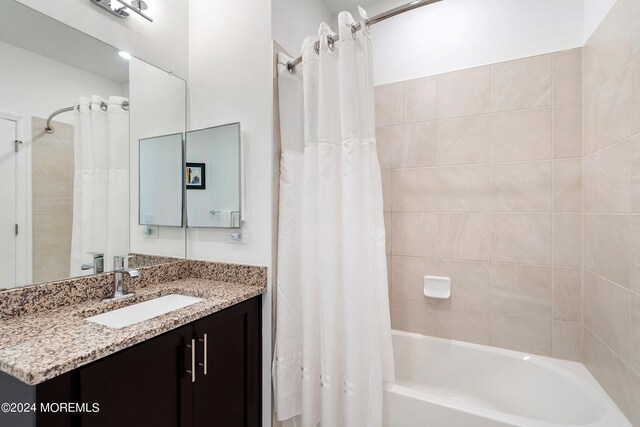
[[212, 177], [158, 100], [161, 180], [72, 110]]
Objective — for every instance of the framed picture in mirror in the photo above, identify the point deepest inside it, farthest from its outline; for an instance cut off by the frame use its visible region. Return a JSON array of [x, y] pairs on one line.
[[195, 176]]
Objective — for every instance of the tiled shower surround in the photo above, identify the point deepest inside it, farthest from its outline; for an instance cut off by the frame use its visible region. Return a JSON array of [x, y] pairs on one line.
[[521, 181], [611, 176], [52, 174], [482, 183]]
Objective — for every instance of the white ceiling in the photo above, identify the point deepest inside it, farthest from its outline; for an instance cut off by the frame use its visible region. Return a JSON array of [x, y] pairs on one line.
[[30, 30]]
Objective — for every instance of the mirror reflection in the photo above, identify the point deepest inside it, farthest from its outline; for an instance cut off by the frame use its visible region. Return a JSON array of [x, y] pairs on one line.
[[212, 176], [99, 144], [161, 180], [67, 112]]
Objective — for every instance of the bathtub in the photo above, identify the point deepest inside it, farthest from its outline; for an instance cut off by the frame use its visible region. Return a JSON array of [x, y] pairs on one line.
[[445, 383]]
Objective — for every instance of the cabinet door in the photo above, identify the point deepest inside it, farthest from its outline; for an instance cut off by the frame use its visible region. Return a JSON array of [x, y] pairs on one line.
[[229, 394], [146, 385], [62, 388]]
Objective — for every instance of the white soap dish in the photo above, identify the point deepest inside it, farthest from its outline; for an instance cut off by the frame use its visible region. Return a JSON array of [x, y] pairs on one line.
[[437, 287]]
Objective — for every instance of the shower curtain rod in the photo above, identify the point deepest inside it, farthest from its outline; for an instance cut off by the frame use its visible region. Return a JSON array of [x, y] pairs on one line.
[[103, 105], [291, 65]]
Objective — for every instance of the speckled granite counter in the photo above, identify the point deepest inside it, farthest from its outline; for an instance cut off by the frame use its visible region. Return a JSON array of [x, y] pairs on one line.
[[37, 344]]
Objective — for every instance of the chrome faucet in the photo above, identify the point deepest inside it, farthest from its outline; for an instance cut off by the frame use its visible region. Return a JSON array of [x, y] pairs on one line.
[[118, 271], [97, 265]]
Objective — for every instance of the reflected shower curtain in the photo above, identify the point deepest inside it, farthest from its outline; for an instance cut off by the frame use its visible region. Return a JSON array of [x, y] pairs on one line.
[[333, 336], [100, 182]]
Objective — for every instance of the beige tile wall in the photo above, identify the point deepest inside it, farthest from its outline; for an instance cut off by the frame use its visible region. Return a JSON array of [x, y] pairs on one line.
[[52, 173], [482, 183], [611, 203]]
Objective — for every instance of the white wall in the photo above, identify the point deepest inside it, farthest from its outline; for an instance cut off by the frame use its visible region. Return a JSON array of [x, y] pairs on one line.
[[594, 12], [34, 85], [158, 107], [230, 82], [293, 20], [458, 34], [230, 79], [163, 43]]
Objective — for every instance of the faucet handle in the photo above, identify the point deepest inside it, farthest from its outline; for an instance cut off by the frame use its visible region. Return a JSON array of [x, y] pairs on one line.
[[118, 260]]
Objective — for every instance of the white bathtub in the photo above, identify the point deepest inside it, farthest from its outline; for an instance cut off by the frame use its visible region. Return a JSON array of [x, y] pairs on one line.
[[445, 383]]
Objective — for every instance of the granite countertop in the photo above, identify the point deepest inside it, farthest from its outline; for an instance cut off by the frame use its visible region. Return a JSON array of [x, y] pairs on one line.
[[39, 346]]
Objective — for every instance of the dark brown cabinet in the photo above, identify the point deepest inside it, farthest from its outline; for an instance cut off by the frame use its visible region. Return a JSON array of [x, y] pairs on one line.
[[229, 392], [145, 385], [207, 373]]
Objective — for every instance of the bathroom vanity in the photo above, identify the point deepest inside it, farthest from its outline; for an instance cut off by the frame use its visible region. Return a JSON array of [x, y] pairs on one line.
[[193, 366], [206, 370]]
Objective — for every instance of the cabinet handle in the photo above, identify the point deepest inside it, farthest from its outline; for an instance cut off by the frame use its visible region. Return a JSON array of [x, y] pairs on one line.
[[205, 353], [193, 360]]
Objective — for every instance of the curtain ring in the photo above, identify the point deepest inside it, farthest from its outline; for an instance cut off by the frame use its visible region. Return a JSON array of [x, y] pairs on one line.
[[354, 29], [316, 47], [103, 106], [125, 105], [367, 24], [291, 68], [331, 43]]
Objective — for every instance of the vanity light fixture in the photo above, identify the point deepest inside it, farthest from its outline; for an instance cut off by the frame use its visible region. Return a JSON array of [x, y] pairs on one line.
[[121, 7]]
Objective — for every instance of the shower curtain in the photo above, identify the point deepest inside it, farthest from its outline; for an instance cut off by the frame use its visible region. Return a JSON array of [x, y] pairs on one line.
[[333, 336], [100, 182]]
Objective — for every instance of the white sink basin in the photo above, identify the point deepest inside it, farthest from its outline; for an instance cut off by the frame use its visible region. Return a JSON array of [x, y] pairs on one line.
[[143, 311]]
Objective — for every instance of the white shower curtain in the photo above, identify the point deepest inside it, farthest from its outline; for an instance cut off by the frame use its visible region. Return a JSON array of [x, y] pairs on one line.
[[333, 336], [100, 182]]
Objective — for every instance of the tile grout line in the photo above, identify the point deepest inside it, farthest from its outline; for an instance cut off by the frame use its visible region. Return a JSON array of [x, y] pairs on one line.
[[470, 116], [606, 147], [583, 125], [553, 216], [499, 262], [491, 316], [505, 162]]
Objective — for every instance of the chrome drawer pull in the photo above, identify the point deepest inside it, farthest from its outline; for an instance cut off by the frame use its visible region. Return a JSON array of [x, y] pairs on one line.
[[193, 360], [205, 353]]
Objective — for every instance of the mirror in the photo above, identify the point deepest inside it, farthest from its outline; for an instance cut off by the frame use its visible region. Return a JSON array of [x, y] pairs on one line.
[[161, 180], [159, 107], [212, 177], [77, 108]]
